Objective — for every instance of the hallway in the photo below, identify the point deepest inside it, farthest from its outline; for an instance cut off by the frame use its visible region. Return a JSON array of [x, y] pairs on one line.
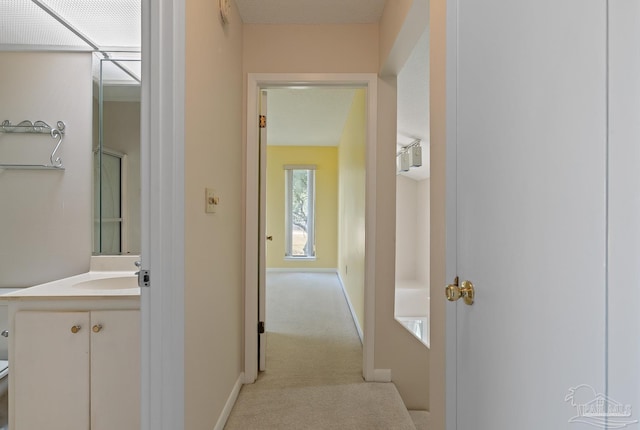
[[314, 365]]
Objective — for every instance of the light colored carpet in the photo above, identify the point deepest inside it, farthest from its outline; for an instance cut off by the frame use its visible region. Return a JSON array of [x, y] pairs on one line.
[[314, 366]]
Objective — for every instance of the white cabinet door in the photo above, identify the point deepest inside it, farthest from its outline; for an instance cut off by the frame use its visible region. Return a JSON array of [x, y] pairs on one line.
[[115, 370], [531, 210], [50, 371]]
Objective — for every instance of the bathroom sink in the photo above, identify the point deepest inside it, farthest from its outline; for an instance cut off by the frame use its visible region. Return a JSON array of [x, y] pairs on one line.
[[119, 283]]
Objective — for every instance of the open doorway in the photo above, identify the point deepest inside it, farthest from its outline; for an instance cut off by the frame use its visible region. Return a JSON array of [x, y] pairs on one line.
[[314, 210], [318, 254]]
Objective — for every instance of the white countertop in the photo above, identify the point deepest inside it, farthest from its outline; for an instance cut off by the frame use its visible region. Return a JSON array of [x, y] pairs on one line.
[[66, 288]]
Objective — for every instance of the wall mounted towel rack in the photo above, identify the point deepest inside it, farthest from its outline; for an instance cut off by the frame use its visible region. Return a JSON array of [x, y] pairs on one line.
[[38, 127]]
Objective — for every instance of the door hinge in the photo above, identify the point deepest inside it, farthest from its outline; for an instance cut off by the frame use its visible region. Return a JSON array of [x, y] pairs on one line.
[[260, 327], [144, 278], [262, 121]]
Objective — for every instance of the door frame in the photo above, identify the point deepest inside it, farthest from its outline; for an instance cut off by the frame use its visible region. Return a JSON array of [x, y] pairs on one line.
[[162, 194], [443, 52], [451, 208], [256, 82]]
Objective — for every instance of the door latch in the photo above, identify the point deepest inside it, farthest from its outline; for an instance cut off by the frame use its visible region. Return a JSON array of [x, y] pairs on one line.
[[144, 278]]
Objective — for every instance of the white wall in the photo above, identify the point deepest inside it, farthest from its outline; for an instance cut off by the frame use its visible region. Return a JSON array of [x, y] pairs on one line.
[[412, 246], [406, 228], [423, 232], [395, 347], [310, 48], [45, 215], [213, 242]]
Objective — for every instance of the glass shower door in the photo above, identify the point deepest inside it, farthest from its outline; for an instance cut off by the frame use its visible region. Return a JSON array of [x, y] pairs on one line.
[[108, 185]]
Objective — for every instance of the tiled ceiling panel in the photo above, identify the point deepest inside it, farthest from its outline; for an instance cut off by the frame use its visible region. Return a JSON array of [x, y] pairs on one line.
[[108, 23], [22, 23]]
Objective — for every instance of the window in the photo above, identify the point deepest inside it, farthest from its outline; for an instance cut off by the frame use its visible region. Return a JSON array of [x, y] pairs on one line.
[[299, 212]]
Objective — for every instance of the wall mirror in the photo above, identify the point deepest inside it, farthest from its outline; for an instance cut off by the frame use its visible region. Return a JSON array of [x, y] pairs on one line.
[[116, 153]]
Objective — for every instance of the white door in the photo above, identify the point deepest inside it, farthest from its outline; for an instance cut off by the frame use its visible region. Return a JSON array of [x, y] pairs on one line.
[[531, 210], [262, 234]]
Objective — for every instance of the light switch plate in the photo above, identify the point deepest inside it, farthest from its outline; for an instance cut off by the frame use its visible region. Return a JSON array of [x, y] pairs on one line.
[[211, 200]]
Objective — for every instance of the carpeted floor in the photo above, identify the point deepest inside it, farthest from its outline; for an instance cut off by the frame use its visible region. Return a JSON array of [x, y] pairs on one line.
[[314, 366]]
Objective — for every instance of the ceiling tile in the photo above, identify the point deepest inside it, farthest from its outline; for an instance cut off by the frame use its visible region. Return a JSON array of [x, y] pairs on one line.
[[22, 23], [108, 23]]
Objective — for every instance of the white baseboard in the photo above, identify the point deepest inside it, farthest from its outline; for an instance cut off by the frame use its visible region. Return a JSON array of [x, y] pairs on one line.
[[224, 416], [381, 375], [353, 312], [301, 270]]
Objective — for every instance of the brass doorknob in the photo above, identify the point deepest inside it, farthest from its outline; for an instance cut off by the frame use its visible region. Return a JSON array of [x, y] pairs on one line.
[[466, 291], [75, 329], [96, 328]]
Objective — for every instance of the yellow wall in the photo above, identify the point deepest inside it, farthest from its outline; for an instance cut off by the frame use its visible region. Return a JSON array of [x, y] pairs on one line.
[[351, 196], [214, 265], [326, 160]]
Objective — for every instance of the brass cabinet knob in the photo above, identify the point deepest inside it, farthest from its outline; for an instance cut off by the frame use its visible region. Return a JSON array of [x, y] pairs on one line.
[[96, 328], [269, 237], [455, 292], [75, 329]]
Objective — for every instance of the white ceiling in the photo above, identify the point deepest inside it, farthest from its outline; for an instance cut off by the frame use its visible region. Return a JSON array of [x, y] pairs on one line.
[[310, 116], [310, 11]]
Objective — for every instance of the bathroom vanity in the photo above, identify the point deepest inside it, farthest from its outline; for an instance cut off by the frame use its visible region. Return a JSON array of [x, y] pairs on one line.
[[74, 353]]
